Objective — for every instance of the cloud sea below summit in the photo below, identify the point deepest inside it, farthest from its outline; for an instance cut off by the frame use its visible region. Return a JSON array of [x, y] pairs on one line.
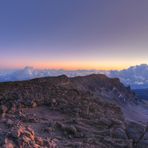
[[135, 76]]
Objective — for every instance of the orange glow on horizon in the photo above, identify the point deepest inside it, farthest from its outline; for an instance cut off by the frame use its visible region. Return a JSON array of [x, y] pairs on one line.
[[80, 68], [71, 67]]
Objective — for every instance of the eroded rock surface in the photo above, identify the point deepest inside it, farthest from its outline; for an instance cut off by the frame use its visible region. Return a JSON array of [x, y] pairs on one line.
[[62, 112]]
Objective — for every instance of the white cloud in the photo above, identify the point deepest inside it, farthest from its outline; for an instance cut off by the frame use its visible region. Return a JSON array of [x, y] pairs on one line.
[[136, 76]]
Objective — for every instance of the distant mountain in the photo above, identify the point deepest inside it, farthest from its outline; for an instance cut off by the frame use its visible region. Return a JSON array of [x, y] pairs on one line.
[[135, 76]]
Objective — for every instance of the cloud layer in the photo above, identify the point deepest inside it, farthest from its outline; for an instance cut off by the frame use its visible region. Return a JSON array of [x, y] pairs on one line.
[[136, 76]]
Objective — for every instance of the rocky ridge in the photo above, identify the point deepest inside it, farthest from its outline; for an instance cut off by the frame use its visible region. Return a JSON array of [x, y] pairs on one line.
[[62, 112]]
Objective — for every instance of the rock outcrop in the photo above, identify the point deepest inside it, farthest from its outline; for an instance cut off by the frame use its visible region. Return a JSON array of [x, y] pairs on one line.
[[62, 112]]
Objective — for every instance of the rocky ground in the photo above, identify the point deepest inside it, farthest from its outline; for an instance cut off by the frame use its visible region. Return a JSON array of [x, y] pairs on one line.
[[62, 112]]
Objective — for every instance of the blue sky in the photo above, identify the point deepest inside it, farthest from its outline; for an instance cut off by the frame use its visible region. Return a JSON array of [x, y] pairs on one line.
[[73, 34]]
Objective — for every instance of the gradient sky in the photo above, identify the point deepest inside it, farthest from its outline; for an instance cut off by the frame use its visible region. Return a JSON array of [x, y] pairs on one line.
[[73, 34]]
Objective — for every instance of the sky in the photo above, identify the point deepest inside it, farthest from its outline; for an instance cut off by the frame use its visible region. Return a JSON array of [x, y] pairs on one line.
[[73, 34]]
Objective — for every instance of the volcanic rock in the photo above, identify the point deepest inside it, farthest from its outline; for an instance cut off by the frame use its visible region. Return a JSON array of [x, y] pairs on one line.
[[62, 112]]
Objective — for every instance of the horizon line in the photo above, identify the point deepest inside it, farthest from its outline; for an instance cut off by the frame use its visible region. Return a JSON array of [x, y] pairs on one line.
[[71, 69]]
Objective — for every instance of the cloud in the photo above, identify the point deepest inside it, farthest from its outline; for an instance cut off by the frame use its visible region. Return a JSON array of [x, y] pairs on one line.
[[136, 76], [30, 73]]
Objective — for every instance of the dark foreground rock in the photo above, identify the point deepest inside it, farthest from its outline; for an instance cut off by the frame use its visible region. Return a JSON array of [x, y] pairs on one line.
[[62, 112]]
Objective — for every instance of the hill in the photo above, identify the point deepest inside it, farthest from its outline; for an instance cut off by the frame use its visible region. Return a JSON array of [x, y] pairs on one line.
[[63, 112]]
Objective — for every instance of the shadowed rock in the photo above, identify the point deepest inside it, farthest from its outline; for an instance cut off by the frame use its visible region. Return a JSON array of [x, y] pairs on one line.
[[68, 112]]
